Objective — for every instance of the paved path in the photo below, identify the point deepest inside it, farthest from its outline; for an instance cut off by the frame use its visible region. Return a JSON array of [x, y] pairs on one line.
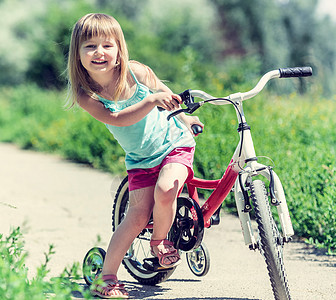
[[69, 205]]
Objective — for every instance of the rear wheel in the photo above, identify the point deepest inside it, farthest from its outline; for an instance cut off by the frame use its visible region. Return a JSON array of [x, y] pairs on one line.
[[140, 249], [271, 241]]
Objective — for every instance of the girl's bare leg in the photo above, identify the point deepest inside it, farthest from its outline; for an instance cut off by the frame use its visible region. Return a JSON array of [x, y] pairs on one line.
[[138, 214], [171, 179]]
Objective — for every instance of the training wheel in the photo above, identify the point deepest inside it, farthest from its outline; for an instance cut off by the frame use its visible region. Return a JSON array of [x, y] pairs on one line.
[[199, 260], [93, 264]]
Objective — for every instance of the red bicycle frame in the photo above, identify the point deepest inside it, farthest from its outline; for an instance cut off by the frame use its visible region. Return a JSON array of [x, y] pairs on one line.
[[221, 187]]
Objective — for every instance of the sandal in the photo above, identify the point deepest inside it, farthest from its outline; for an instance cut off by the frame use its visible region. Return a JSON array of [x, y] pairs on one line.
[[111, 289], [166, 253]]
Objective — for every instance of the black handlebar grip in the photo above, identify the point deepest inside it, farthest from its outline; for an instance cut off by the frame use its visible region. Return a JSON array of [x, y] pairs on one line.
[[296, 72], [197, 129]]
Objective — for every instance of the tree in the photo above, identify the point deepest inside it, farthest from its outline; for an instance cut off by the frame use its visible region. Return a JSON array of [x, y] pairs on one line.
[[252, 28], [279, 33]]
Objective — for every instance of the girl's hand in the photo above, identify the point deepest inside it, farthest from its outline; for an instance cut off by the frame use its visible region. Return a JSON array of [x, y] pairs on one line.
[[167, 101], [191, 120]]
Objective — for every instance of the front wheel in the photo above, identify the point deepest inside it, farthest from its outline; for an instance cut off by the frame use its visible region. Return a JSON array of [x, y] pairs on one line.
[[271, 242], [140, 248]]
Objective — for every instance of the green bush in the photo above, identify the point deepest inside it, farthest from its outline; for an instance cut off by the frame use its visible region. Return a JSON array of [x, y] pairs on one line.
[[14, 281], [35, 119]]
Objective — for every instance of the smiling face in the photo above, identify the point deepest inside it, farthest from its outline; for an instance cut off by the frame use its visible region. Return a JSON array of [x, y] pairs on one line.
[[99, 55], [97, 44]]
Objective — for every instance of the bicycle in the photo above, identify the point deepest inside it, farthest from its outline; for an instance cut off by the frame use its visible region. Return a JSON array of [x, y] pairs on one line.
[[192, 217]]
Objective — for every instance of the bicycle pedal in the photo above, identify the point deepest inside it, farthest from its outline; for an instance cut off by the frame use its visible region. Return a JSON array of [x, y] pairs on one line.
[[152, 264]]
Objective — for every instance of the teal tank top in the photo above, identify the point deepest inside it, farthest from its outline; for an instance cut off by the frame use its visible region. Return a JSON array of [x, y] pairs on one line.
[[147, 142]]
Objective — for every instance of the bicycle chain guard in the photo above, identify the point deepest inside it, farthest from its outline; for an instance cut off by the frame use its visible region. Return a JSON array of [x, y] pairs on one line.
[[188, 227]]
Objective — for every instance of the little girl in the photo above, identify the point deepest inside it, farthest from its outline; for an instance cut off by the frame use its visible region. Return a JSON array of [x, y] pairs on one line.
[[125, 95]]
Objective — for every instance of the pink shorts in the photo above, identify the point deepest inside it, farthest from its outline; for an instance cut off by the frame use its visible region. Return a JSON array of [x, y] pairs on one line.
[[141, 178]]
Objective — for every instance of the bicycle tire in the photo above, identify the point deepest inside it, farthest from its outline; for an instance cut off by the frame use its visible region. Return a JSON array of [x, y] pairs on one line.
[[271, 242], [140, 248]]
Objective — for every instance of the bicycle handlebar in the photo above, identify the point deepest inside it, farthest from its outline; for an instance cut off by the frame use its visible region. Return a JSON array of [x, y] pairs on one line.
[[188, 95]]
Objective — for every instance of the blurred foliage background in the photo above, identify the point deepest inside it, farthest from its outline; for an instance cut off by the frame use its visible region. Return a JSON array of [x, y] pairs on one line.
[[220, 46], [219, 35]]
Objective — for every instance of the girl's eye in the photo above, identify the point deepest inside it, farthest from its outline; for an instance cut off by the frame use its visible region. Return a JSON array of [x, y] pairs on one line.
[[90, 46]]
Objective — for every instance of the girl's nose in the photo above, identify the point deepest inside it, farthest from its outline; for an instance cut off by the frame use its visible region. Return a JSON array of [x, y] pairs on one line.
[[99, 49]]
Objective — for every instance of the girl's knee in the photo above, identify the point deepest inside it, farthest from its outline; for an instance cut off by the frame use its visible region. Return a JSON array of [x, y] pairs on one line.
[[165, 193], [170, 181]]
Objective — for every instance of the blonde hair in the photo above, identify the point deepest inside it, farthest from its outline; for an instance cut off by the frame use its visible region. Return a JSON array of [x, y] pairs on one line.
[[89, 26]]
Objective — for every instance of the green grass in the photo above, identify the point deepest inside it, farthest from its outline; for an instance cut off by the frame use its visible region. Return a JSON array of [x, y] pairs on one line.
[[297, 133]]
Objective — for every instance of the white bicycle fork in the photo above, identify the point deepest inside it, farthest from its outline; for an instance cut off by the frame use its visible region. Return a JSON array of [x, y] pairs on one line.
[[245, 152]]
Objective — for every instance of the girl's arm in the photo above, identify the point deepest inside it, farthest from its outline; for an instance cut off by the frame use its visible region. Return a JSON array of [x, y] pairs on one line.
[[134, 113], [131, 114], [146, 76]]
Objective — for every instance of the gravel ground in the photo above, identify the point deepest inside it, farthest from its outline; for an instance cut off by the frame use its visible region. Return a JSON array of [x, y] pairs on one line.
[[69, 205]]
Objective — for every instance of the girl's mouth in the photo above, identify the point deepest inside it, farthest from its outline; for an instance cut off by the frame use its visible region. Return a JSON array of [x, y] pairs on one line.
[[99, 62]]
